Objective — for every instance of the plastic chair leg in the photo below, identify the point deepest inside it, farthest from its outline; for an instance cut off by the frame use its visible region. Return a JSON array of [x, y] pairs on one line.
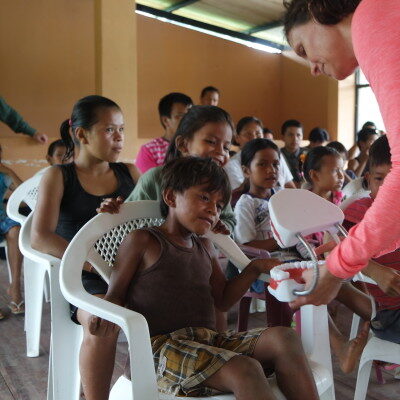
[[66, 338], [354, 326], [46, 292], [243, 316], [50, 384], [364, 372], [33, 279], [8, 265]]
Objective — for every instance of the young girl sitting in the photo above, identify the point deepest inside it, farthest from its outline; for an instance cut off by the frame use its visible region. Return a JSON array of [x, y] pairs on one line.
[[69, 195], [173, 271], [323, 170], [9, 230], [249, 128]]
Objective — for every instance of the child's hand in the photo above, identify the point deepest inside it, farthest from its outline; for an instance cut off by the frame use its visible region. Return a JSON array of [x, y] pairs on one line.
[[220, 227], [386, 278], [110, 205], [264, 265], [101, 327]]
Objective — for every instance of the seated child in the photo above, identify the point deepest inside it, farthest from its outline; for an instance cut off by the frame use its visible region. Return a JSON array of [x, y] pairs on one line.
[[317, 137], [249, 128], [292, 133], [56, 153], [323, 170], [173, 271], [349, 175], [9, 230], [365, 138]]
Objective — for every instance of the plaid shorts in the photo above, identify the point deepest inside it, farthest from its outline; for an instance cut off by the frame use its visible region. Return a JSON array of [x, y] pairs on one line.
[[184, 359]]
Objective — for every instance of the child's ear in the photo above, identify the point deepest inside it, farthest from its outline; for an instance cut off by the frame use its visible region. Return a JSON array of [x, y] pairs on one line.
[[80, 134], [181, 145], [169, 197], [314, 177], [246, 171], [367, 177], [164, 121], [49, 159]]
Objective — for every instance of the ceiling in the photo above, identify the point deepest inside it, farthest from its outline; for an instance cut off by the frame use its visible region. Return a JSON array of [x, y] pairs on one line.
[[258, 20]]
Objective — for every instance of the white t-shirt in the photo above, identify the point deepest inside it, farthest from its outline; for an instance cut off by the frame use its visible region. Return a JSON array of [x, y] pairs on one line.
[[236, 177], [252, 219]]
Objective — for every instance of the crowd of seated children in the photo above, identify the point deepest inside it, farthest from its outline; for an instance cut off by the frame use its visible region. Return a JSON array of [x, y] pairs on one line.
[[249, 128], [194, 191], [292, 134], [205, 131], [9, 230], [69, 195], [209, 96], [171, 109], [365, 138]]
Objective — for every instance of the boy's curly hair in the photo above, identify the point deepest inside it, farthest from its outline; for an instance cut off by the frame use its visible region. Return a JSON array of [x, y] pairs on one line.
[[183, 173]]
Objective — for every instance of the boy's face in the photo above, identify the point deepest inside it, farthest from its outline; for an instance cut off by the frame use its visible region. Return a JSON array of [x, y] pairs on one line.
[[171, 123], [376, 176], [197, 209], [330, 177], [264, 169], [210, 99], [292, 138]]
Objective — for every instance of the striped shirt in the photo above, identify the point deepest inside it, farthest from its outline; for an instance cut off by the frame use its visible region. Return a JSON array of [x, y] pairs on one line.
[[152, 154], [354, 213]]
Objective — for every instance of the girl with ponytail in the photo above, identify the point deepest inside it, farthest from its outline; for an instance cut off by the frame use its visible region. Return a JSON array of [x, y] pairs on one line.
[[69, 195]]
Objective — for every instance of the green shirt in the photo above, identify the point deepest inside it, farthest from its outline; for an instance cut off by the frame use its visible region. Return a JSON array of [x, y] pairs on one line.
[[11, 118], [149, 188]]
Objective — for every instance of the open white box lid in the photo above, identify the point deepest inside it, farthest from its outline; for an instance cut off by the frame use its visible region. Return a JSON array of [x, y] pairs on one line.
[[299, 211]]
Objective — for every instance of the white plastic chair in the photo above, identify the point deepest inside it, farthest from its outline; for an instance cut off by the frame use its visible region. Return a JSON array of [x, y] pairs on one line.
[[34, 276], [63, 364], [375, 349], [98, 241]]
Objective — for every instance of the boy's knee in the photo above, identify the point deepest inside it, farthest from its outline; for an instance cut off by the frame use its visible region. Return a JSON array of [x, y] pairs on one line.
[[284, 338], [14, 232], [245, 368]]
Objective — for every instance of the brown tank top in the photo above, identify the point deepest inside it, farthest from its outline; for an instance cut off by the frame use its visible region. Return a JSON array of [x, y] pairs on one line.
[[175, 292]]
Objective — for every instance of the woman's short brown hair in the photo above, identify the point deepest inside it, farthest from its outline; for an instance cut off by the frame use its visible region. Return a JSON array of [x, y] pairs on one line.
[[326, 12]]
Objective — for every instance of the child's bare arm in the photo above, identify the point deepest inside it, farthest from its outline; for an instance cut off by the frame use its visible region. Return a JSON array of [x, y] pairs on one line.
[[386, 278], [228, 292], [129, 259], [16, 181], [266, 244]]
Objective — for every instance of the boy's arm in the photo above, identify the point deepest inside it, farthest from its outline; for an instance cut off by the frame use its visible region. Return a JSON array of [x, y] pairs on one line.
[[386, 278], [129, 258], [228, 292]]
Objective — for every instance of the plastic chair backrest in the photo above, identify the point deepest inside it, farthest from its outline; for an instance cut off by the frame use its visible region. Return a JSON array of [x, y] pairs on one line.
[[136, 215], [27, 192], [298, 211]]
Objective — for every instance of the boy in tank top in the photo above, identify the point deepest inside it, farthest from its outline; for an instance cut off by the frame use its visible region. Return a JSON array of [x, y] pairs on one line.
[[172, 276]]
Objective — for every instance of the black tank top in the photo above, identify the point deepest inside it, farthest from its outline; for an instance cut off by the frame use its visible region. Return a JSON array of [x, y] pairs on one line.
[[78, 207]]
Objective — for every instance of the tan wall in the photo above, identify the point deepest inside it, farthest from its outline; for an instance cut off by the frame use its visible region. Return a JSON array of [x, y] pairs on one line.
[[59, 51], [47, 63], [312, 100], [172, 58]]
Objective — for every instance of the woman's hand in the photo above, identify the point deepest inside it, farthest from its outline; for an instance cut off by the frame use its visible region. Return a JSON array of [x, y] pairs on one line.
[[326, 290], [220, 227], [110, 205]]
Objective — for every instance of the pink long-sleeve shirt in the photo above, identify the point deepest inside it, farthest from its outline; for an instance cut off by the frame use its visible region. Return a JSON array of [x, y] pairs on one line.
[[376, 41]]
